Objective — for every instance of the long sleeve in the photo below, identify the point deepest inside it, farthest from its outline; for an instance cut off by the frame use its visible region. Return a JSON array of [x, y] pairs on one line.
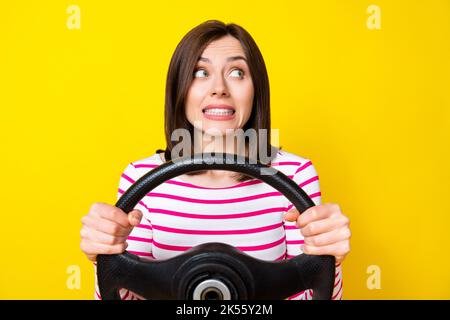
[[140, 239], [184, 215], [307, 178]]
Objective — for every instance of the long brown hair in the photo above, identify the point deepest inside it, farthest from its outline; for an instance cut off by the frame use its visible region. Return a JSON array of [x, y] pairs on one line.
[[180, 77]]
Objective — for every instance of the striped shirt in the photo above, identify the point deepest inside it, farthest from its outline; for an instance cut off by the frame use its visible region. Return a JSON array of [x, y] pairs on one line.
[[247, 215]]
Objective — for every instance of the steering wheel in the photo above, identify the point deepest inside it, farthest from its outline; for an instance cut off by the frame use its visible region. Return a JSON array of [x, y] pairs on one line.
[[215, 271]]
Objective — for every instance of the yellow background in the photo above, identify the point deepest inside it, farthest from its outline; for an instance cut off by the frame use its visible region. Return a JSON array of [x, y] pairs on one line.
[[370, 108]]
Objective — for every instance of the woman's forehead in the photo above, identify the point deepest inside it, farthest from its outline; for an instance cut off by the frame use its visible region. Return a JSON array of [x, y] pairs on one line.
[[223, 48]]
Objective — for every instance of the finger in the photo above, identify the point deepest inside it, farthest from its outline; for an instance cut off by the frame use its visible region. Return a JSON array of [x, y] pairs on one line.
[[101, 237], [106, 226], [92, 257], [292, 215], [314, 213], [339, 260], [135, 217], [111, 213], [327, 238], [322, 226], [335, 249], [92, 248]]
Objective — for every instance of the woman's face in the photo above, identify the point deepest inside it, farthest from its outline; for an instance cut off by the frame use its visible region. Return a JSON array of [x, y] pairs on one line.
[[221, 94]]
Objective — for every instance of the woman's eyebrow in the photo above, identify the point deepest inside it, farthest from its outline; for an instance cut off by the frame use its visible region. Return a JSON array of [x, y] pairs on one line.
[[233, 58]]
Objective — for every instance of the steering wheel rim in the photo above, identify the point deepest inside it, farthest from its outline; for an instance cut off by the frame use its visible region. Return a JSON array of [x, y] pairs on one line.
[[309, 271]]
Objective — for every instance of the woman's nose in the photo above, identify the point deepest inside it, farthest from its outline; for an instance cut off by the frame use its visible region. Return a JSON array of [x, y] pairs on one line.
[[219, 87]]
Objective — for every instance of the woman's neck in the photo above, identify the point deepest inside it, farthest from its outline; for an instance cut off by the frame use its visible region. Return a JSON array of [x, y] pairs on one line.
[[222, 144]]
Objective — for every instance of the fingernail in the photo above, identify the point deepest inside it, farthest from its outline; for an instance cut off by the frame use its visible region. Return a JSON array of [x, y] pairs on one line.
[[136, 218]]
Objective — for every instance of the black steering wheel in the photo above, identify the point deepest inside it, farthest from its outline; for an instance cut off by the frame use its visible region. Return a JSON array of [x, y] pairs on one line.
[[215, 271]]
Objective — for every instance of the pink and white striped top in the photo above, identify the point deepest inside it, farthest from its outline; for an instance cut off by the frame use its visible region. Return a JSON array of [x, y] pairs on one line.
[[247, 215]]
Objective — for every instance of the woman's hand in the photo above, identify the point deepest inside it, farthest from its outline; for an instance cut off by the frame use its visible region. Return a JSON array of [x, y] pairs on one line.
[[325, 230], [105, 229]]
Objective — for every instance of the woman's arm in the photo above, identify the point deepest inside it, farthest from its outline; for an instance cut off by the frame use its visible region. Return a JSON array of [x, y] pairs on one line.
[[139, 240], [307, 178]]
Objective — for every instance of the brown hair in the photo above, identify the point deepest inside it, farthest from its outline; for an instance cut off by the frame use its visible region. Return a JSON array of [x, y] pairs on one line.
[[180, 77]]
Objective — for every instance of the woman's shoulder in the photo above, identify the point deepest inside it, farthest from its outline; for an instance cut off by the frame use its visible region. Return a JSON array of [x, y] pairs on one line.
[[139, 167], [290, 163], [150, 161], [294, 159]]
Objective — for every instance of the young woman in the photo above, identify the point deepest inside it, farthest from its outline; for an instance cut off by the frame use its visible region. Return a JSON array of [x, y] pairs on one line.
[[217, 83]]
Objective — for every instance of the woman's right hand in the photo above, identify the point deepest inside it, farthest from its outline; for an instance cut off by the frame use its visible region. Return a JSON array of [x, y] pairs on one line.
[[105, 229]]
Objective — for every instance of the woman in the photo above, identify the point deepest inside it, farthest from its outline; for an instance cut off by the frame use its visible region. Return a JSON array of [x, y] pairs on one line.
[[217, 83]]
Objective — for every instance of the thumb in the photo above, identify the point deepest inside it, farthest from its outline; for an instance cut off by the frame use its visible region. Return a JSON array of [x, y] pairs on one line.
[[135, 217], [292, 215]]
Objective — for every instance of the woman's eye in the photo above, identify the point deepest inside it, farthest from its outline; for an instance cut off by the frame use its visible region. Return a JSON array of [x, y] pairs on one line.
[[202, 73], [199, 72], [239, 72]]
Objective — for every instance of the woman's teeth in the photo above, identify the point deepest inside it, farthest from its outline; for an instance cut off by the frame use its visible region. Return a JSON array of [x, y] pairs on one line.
[[219, 112]]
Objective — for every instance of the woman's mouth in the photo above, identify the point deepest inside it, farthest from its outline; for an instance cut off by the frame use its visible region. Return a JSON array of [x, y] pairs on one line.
[[219, 114]]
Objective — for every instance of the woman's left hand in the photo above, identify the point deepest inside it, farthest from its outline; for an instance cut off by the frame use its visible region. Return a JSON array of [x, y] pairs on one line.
[[325, 230]]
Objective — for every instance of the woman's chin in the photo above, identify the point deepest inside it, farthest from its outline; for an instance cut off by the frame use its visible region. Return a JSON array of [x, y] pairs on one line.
[[218, 129]]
